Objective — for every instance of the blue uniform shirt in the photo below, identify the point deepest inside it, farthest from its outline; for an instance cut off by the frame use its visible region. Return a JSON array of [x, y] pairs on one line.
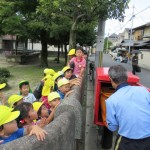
[[62, 95], [128, 110], [19, 133]]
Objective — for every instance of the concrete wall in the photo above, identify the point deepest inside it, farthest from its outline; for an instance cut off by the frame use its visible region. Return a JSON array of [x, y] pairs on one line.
[[63, 132], [144, 63]]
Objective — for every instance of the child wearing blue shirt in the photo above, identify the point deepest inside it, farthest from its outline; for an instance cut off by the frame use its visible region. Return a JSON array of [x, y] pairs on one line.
[[63, 88], [9, 130]]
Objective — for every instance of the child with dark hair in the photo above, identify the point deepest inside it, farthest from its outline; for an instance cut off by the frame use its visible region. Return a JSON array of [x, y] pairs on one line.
[[27, 114], [43, 112], [68, 73], [26, 92], [9, 130], [57, 76], [79, 62]]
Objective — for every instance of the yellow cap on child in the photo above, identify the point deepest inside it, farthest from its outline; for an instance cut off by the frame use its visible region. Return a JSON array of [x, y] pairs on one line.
[[72, 52], [2, 85], [37, 105], [62, 82], [13, 99], [52, 96], [56, 75], [6, 115], [49, 71], [66, 68]]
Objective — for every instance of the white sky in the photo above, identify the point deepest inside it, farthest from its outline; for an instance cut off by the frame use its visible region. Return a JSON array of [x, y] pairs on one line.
[[114, 26]]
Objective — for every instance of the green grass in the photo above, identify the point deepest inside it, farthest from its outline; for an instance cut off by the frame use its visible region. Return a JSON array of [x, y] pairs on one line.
[[32, 73]]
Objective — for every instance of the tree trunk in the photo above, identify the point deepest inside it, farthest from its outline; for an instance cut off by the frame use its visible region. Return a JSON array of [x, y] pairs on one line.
[[72, 38], [26, 44], [32, 44], [100, 43], [65, 54], [16, 45], [62, 47], [44, 54], [58, 53]]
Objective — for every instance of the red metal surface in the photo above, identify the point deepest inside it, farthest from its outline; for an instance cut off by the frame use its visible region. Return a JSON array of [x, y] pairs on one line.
[[102, 74], [102, 77]]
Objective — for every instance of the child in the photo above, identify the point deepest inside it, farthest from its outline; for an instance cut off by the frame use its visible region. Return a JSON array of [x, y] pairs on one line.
[[38, 90], [79, 62], [54, 100], [71, 54], [9, 130], [15, 100], [27, 114], [63, 88], [25, 91], [57, 76], [43, 112], [68, 73], [2, 98], [47, 88]]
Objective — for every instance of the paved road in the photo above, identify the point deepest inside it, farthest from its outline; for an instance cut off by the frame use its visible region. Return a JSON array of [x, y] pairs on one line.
[[92, 140], [144, 75]]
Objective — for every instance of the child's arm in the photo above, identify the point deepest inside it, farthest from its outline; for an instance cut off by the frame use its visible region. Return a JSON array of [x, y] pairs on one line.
[[51, 116], [35, 130], [76, 81], [82, 72]]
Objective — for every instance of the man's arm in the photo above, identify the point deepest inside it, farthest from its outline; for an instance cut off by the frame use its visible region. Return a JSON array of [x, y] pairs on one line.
[[112, 122]]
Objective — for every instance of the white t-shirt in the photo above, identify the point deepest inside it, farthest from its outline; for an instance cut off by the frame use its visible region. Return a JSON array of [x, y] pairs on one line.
[[29, 98]]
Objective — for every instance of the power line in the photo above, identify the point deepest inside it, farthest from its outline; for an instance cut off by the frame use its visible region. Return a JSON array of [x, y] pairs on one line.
[[142, 10], [132, 18]]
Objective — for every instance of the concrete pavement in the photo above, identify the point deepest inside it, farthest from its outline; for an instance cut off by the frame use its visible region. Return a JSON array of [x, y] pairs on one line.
[[92, 136]]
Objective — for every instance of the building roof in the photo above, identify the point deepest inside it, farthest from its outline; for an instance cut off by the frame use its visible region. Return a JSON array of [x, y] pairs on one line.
[[142, 26]]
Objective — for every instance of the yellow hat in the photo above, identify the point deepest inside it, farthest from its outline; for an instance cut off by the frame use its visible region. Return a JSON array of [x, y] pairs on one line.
[[6, 115], [52, 96], [62, 82], [66, 68], [37, 105], [49, 71], [48, 76], [13, 99], [2, 85], [56, 75], [72, 52]]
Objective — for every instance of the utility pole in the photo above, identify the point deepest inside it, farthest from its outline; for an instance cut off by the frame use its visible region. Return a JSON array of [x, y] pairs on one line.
[[107, 43], [100, 43], [131, 31]]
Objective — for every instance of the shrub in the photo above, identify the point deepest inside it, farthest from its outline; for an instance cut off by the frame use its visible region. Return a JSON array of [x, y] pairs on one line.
[[4, 73], [3, 80]]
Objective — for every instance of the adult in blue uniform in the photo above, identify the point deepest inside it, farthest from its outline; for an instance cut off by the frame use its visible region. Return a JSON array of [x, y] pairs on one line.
[[128, 111]]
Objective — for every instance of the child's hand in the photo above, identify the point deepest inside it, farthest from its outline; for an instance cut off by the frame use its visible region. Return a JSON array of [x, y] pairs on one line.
[[40, 133], [42, 123]]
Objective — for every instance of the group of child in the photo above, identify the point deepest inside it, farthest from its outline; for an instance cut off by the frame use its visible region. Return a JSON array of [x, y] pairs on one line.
[[28, 111]]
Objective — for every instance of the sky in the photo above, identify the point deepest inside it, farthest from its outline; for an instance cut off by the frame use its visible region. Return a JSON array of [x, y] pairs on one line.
[[114, 26]]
